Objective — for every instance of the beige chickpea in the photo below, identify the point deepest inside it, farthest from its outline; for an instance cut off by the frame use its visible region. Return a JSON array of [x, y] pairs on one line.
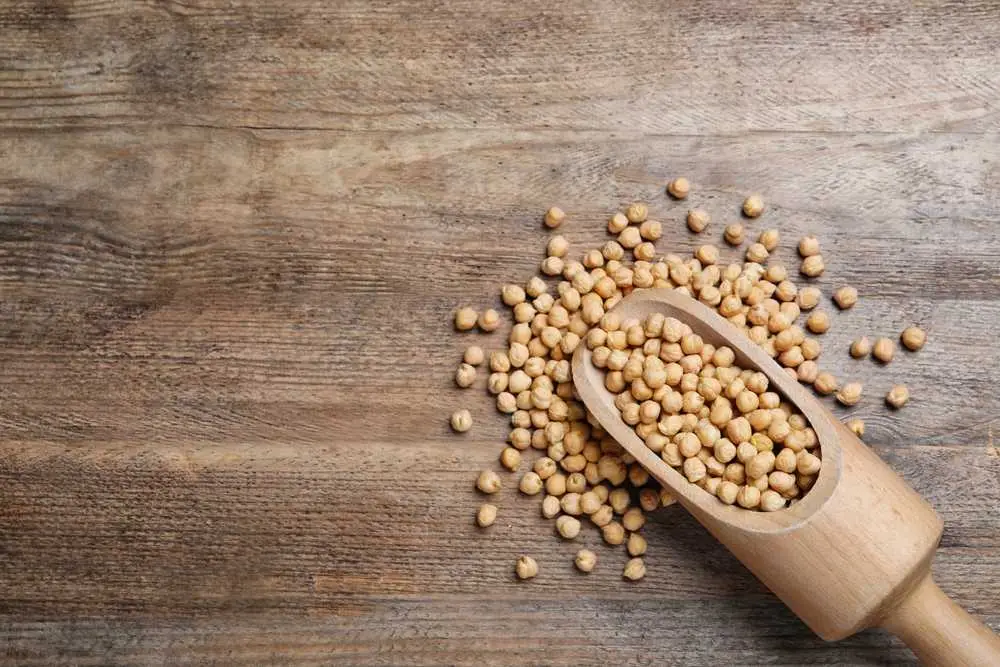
[[808, 246], [512, 294], [807, 372], [593, 259], [769, 239], [550, 507], [617, 223], [530, 484], [637, 212], [644, 252], [556, 484], [727, 492], [707, 254], [635, 569], [697, 220], [558, 246], [486, 515], [883, 350], [807, 463], [633, 519], [526, 567], [510, 458], [535, 287], [898, 396], [568, 527], [488, 482], [850, 393], [857, 427], [461, 420], [554, 217], [489, 320], [603, 516], [465, 318], [913, 338], [845, 297], [474, 355], [613, 533], [808, 297], [585, 560], [861, 347], [552, 266], [825, 383], [636, 544], [679, 188], [771, 501], [733, 234], [753, 206], [756, 253], [812, 266], [465, 375], [612, 251], [651, 230], [748, 497], [818, 322]]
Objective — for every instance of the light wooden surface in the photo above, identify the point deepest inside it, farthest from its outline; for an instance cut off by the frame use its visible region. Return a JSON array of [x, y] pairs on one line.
[[231, 237]]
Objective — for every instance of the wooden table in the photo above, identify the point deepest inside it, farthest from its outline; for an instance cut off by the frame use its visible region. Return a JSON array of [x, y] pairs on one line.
[[231, 238]]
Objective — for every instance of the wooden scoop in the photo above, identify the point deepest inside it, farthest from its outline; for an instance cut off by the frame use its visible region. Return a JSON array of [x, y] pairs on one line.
[[853, 553]]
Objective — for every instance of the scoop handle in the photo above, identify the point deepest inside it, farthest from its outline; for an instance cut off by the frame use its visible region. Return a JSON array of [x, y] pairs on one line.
[[941, 633]]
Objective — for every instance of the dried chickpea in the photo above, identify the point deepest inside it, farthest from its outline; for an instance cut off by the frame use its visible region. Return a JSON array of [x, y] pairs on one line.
[[818, 322], [552, 266], [636, 544], [510, 458], [461, 420], [556, 485], [883, 350], [771, 501], [857, 427], [812, 266], [808, 246], [679, 188], [613, 533], [898, 396], [585, 561], [753, 206], [644, 251], [512, 294], [756, 253], [486, 515], [617, 223], [550, 507], [651, 230], [769, 239], [530, 484], [748, 497], [489, 320], [568, 527], [635, 569], [808, 297], [850, 394], [488, 482], [554, 217], [913, 338], [633, 519], [825, 383], [707, 254], [733, 234], [697, 220], [845, 297], [526, 567], [465, 318], [465, 375], [558, 246], [861, 347]]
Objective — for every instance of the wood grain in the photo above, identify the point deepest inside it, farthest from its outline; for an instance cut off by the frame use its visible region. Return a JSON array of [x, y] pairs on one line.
[[231, 237]]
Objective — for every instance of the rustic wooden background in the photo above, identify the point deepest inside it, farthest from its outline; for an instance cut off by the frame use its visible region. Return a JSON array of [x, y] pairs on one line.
[[232, 235]]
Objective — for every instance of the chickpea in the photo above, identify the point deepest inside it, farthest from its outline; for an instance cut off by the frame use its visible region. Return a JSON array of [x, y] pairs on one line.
[[825, 383], [883, 350], [644, 251], [812, 266], [552, 266], [913, 338], [808, 246], [613, 533], [558, 246], [465, 375], [771, 501], [769, 239], [568, 527], [748, 497], [635, 569], [633, 519], [617, 223], [488, 482], [697, 220], [486, 515], [531, 484], [585, 561], [679, 188], [857, 427], [554, 217], [850, 394], [707, 254], [756, 253], [753, 206], [861, 347], [465, 319], [845, 297], [526, 567], [733, 234], [461, 420], [510, 458], [818, 322], [629, 238], [808, 297], [651, 230], [550, 507], [636, 545], [898, 396], [807, 372]]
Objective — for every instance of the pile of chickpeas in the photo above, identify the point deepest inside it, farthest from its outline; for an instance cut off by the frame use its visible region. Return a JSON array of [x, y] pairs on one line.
[[716, 423]]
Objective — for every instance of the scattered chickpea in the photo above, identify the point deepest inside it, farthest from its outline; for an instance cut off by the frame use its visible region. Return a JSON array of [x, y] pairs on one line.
[[530, 484], [769, 239], [883, 350], [808, 297], [651, 230], [489, 320], [825, 383], [558, 246], [845, 297], [486, 515], [812, 266], [861, 347], [461, 420], [733, 234], [550, 507], [913, 338], [697, 220], [857, 427], [510, 458], [808, 246], [898, 396], [465, 318], [637, 212], [568, 526], [818, 322], [617, 223], [635, 569], [465, 376], [636, 544], [526, 567], [554, 217], [633, 519], [753, 206], [613, 533], [488, 482], [679, 188], [756, 253], [850, 394], [585, 561]]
